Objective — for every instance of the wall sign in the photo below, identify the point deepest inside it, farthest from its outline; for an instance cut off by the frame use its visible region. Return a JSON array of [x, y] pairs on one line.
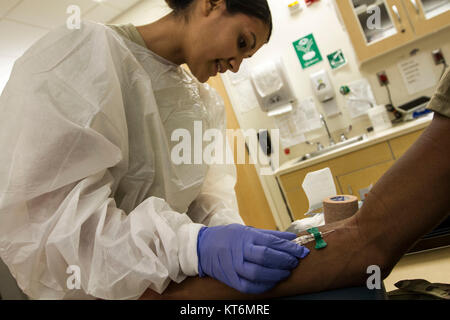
[[336, 59], [307, 51]]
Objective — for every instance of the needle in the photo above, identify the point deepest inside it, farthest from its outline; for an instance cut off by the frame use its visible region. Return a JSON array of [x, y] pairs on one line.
[[308, 238]]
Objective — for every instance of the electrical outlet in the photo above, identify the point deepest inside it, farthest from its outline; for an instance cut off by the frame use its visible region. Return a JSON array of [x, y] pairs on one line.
[[438, 57], [382, 78]]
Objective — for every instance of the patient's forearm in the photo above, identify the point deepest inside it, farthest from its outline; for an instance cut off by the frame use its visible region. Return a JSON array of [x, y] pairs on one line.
[[413, 196], [342, 263], [409, 200]]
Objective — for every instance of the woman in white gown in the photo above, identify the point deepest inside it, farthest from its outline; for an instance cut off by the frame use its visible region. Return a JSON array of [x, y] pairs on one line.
[[88, 187]]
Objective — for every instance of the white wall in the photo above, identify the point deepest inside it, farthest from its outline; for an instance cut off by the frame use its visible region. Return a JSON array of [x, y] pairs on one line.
[[143, 13], [321, 20]]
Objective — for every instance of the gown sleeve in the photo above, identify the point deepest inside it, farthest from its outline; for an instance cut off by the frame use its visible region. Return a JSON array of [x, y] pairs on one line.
[[217, 203]]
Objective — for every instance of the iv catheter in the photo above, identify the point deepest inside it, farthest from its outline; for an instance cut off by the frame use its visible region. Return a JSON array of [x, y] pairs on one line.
[[308, 238]]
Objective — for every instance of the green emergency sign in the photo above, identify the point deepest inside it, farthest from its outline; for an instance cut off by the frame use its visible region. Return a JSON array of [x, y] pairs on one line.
[[336, 59], [307, 51]]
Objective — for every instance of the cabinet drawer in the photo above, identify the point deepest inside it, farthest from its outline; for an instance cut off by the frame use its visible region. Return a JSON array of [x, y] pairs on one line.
[[353, 182], [360, 159], [401, 144], [341, 165]]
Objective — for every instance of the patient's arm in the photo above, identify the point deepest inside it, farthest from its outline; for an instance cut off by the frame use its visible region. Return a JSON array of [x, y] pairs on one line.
[[407, 202], [342, 263]]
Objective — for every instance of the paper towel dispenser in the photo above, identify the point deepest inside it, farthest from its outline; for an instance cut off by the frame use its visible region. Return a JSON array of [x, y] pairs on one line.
[[272, 88]]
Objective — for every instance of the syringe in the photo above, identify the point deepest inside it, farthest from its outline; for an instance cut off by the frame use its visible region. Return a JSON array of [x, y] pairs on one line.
[[308, 238]]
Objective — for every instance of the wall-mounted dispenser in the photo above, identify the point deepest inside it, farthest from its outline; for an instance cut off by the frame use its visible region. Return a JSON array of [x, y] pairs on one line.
[[272, 88], [322, 86], [324, 90]]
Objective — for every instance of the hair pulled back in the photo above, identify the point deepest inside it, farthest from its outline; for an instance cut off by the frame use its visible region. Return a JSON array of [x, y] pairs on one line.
[[255, 8]]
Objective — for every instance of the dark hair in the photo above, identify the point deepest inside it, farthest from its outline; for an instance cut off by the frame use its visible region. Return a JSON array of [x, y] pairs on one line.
[[255, 8]]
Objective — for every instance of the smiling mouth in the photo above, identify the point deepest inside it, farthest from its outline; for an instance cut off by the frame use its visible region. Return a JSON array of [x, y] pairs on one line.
[[218, 66]]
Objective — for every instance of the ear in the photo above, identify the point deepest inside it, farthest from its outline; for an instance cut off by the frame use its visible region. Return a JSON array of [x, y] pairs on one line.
[[209, 6]]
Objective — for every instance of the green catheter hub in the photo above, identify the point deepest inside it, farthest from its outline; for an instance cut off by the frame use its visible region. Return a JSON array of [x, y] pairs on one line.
[[316, 235]]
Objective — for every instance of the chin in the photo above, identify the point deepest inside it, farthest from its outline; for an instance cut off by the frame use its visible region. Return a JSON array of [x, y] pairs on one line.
[[202, 78], [201, 75]]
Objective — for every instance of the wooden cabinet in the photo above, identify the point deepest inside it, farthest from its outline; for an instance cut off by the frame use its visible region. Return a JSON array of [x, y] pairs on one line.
[[295, 196], [428, 16], [352, 172], [354, 183], [378, 26], [291, 183], [401, 144]]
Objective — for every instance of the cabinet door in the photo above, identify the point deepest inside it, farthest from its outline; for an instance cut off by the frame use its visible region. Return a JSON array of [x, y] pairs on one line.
[[295, 195], [375, 26], [401, 144], [291, 183], [358, 182], [428, 16]]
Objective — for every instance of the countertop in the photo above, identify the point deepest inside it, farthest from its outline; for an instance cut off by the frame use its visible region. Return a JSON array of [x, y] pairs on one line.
[[372, 139]]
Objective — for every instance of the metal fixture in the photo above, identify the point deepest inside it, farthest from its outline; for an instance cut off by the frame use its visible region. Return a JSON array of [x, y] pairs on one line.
[[337, 146], [318, 144], [322, 118]]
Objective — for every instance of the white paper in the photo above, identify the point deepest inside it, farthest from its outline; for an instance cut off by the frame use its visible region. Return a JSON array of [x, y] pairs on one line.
[[289, 133], [312, 117], [317, 186], [242, 75], [417, 73], [330, 107], [245, 96], [359, 99], [267, 79], [293, 125]]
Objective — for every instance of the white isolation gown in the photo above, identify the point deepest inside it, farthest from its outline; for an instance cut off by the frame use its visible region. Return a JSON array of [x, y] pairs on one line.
[[86, 177]]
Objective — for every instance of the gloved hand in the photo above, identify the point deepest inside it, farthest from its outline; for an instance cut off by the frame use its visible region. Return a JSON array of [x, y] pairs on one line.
[[248, 259]]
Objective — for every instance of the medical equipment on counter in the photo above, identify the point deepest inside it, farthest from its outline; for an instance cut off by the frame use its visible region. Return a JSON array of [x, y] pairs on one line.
[[412, 109], [379, 118], [377, 114], [339, 207], [272, 88]]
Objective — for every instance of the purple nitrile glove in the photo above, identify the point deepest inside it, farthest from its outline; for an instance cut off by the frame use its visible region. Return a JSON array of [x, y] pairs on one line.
[[248, 259]]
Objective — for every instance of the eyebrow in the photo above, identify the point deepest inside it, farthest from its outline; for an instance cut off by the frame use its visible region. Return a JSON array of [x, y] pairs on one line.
[[254, 40]]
